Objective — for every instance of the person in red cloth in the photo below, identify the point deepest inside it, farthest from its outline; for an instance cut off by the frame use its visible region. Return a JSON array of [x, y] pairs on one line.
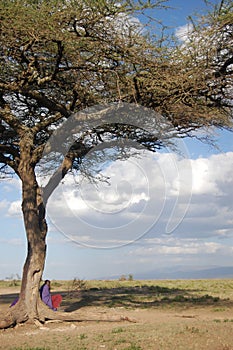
[[52, 301]]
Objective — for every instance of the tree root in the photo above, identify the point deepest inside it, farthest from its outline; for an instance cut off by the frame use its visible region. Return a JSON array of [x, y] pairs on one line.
[[16, 315], [79, 316], [7, 322]]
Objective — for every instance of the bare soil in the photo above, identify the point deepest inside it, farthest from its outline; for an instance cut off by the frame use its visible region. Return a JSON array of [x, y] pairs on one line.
[[170, 323]]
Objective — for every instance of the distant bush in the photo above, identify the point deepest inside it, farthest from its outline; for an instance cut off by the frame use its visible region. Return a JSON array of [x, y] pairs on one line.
[[130, 277], [125, 278], [14, 283], [76, 286]]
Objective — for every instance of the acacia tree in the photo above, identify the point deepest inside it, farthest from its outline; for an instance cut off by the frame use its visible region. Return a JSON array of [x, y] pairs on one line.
[[59, 57]]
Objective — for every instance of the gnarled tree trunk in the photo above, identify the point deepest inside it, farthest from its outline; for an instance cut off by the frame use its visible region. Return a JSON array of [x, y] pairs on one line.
[[36, 230], [29, 307]]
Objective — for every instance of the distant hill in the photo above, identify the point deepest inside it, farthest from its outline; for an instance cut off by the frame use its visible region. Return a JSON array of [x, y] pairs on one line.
[[188, 273]]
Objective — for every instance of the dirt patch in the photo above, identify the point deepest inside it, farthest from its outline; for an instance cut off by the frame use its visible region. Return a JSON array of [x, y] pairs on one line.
[[176, 325]]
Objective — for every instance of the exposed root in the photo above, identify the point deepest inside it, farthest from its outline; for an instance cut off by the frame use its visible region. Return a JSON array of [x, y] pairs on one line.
[[84, 316], [17, 315], [8, 320], [78, 316], [6, 323]]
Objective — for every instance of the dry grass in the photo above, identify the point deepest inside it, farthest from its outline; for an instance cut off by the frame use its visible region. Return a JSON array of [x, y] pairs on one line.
[[181, 314]]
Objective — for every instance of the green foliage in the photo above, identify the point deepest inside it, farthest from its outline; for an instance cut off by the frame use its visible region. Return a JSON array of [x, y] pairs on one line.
[[83, 336], [133, 347], [68, 49], [118, 330]]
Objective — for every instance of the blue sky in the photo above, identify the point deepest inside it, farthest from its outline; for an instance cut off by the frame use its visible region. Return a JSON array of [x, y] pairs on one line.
[[160, 211]]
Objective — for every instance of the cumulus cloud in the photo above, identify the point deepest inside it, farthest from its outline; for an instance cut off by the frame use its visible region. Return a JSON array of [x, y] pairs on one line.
[[133, 209], [15, 209], [4, 204], [177, 246], [174, 253], [183, 32], [212, 175], [143, 195]]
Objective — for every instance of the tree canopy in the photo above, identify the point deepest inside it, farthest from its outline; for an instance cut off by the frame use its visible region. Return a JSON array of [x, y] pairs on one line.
[[60, 57]]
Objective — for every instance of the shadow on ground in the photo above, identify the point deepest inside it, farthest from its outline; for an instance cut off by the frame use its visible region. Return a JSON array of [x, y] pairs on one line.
[[132, 297], [7, 299], [139, 297]]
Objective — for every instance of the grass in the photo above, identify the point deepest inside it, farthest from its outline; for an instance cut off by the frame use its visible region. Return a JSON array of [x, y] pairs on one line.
[[117, 330], [139, 294], [149, 294], [36, 348], [216, 286], [185, 301]]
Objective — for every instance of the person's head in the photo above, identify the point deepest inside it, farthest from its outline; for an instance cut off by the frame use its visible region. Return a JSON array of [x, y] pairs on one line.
[[47, 282]]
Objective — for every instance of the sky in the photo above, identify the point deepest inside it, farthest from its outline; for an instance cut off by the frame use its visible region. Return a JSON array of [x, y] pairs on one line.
[[157, 212]]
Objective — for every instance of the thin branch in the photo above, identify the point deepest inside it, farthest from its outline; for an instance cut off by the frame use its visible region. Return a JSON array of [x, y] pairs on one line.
[[223, 69], [9, 150], [47, 122], [9, 162], [11, 119], [77, 151], [44, 101], [60, 49]]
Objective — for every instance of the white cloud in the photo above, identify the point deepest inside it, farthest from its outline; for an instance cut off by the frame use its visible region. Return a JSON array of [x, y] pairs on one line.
[[213, 175], [4, 204], [148, 193], [15, 209], [136, 205], [183, 32], [167, 249], [203, 179], [10, 185]]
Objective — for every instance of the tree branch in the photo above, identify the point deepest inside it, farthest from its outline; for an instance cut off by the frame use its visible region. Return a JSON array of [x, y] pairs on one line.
[[10, 119], [8, 162], [223, 70], [42, 100], [47, 122], [56, 178], [77, 151], [9, 150]]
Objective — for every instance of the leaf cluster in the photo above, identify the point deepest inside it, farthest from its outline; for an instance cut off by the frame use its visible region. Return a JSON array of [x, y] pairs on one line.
[[58, 57]]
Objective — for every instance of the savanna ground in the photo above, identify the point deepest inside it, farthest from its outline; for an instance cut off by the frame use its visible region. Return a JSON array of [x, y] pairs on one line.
[[181, 314]]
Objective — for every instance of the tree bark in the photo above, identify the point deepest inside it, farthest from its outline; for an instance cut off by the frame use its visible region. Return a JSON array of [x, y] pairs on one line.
[[29, 307], [36, 231]]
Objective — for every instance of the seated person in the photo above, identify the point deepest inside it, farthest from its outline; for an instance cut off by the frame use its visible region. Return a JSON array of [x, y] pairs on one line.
[[52, 301]]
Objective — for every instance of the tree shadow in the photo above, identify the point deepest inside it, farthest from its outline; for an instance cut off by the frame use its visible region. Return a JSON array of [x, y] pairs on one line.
[[132, 297], [139, 297], [7, 299]]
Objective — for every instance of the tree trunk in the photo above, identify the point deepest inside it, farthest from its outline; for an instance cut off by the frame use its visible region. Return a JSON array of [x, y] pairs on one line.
[[29, 306], [36, 230]]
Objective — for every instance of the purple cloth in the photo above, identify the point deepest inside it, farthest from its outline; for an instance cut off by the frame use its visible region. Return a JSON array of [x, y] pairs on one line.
[[14, 302], [46, 296]]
